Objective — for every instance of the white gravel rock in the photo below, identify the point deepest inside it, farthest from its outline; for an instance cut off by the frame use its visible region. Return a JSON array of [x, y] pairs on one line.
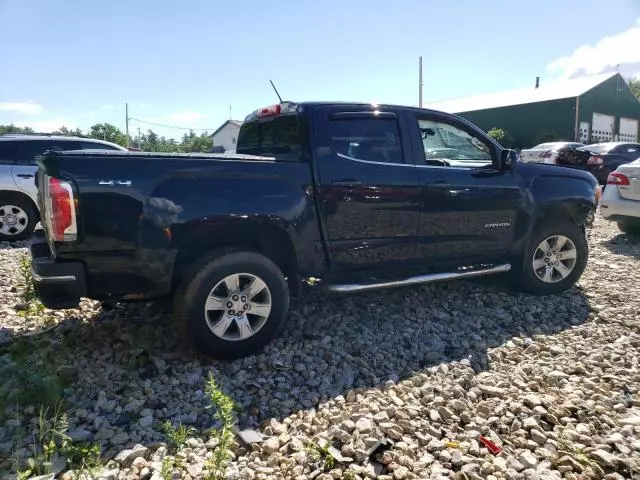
[[544, 377]]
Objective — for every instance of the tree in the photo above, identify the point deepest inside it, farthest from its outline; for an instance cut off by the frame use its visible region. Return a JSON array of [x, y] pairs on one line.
[[501, 136], [67, 131], [634, 85], [11, 128], [196, 143], [108, 132]]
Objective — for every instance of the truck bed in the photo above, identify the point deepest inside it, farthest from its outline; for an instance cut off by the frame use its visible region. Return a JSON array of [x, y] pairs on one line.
[[137, 211]]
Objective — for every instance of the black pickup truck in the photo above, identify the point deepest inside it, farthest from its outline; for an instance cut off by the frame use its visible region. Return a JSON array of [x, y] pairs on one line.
[[352, 197]]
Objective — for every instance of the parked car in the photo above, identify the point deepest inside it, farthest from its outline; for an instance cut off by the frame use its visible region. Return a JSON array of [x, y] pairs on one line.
[[332, 194], [547, 152], [18, 194], [621, 200], [600, 158]]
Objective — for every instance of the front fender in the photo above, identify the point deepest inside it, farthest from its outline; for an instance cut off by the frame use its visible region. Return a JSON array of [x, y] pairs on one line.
[[564, 198]]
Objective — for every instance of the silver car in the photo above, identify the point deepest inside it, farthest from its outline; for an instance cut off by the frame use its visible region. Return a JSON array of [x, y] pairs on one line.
[[18, 194], [621, 197]]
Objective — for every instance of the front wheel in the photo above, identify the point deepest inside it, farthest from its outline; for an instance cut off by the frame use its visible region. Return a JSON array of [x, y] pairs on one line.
[[554, 260], [233, 305]]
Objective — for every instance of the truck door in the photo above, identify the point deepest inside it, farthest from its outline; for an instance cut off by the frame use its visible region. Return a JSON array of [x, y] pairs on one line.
[[368, 187], [468, 205]]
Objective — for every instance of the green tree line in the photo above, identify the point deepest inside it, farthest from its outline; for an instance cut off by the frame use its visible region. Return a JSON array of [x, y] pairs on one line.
[[147, 142]]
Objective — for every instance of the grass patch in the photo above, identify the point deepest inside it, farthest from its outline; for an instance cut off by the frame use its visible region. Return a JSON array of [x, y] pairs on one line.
[[320, 453], [176, 436], [52, 449], [223, 407], [168, 467], [31, 373], [31, 305]]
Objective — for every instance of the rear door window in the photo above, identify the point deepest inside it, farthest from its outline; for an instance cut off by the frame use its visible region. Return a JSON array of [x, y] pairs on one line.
[[371, 139], [277, 137]]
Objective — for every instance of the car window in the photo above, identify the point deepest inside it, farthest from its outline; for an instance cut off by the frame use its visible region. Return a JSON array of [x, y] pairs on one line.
[[444, 141], [277, 137], [26, 151], [62, 145], [543, 146], [7, 155], [597, 148], [371, 139], [625, 149]]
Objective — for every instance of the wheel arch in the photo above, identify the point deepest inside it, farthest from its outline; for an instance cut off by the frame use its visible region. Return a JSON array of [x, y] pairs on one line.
[[268, 238], [22, 196]]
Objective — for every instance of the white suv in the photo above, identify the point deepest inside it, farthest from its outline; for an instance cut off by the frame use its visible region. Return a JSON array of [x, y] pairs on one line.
[[18, 193]]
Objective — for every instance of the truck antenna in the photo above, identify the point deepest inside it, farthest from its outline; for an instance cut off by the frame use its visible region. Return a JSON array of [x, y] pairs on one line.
[[276, 90]]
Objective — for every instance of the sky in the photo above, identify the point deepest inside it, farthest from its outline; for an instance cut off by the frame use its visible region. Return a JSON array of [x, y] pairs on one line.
[[192, 63]]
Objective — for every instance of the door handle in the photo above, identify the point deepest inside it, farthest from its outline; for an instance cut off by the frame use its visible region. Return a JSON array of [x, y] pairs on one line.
[[438, 184], [25, 175], [346, 183]]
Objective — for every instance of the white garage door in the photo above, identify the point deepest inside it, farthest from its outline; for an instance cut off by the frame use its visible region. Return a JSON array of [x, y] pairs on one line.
[[628, 130], [602, 127]]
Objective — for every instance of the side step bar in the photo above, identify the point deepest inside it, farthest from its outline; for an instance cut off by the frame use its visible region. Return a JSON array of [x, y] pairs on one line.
[[428, 278]]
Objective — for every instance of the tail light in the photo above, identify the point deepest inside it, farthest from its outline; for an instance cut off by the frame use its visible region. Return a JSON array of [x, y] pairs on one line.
[[273, 110], [616, 178], [61, 211], [594, 160]]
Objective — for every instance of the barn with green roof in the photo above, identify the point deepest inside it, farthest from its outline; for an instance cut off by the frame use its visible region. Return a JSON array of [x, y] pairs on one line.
[[588, 109]]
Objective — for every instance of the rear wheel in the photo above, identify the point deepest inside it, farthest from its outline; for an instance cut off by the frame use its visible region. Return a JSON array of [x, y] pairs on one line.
[[629, 226], [233, 304], [17, 218], [555, 259]]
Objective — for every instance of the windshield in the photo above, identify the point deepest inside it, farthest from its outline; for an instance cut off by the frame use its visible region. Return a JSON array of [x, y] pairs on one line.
[[276, 137]]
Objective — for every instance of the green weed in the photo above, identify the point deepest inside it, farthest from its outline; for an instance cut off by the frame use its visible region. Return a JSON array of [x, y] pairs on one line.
[[28, 292], [321, 454], [224, 408], [177, 436], [52, 448]]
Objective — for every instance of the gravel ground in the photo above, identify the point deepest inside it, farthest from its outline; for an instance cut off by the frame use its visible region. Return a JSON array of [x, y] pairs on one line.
[[395, 385]]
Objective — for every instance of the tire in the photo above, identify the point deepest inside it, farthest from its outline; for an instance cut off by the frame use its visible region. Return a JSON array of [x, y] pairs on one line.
[[529, 279], [18, 218], [210, 280], [629, 227]]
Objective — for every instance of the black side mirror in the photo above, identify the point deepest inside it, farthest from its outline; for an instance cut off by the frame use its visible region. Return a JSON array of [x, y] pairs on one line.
[[508, 158]]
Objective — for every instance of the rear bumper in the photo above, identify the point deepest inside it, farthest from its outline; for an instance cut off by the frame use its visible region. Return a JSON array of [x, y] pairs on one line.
[[615, 208], [57, 284]]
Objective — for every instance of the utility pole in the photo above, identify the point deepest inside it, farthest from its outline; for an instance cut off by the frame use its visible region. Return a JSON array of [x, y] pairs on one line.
[[420, 81], [139, 137], [230, 112], [126, 120]]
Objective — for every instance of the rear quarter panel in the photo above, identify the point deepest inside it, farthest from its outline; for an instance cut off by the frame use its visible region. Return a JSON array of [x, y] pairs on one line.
[[136, 213]]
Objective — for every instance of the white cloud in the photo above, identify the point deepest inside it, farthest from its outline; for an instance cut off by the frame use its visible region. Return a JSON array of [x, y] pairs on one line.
[[47, 125], [183, 117], [25, 108], [619, 51]]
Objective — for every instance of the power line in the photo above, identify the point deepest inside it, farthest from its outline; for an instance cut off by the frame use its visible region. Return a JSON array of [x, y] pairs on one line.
[[171, 126]]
